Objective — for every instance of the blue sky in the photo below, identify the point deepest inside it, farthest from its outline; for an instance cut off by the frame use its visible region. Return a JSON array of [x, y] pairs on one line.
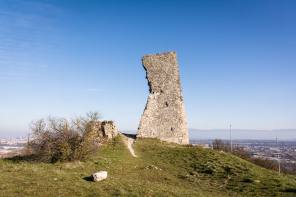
[[237, 60]]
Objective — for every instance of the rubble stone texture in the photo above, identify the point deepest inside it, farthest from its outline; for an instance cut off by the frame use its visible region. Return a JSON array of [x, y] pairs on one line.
[[106, 129], [164, 115]]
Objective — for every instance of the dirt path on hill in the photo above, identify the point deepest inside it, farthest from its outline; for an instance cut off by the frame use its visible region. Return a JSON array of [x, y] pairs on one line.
[[130, 139]]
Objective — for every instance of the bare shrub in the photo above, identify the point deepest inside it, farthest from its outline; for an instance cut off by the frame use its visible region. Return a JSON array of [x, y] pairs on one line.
[[221, 146], [265, 163], [58, 139], [201, 144], [288, 168], [238, 151]]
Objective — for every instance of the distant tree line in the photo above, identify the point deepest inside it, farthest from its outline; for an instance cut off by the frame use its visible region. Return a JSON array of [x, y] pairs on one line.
[[239, 151]]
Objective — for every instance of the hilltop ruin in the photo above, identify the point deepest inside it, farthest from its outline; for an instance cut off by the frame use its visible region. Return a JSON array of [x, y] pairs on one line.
[[164, 115]]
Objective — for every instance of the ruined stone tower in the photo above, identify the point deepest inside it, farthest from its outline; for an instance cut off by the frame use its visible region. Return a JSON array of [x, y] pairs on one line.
[[164, 115]]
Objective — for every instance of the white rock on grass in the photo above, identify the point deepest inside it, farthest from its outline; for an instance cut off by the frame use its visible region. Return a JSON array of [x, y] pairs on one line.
[[98, 176]]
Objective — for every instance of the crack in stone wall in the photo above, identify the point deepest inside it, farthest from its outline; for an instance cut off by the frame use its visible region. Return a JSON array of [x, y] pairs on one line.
[[164, 115]]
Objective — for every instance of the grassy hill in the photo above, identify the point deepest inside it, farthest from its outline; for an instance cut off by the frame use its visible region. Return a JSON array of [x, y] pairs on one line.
[[161, 169]]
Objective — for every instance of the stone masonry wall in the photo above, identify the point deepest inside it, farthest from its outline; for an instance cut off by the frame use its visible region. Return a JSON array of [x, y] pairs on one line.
[[106, 129], [164, 115]]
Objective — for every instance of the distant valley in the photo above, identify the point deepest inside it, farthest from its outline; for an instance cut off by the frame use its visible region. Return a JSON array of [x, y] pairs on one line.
[[281, 134]]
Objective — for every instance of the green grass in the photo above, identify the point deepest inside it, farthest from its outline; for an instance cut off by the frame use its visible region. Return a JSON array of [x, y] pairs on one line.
[[161, 169]]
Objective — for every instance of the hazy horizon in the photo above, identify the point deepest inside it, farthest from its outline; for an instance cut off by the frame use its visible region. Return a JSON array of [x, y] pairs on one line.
[[237, 134]]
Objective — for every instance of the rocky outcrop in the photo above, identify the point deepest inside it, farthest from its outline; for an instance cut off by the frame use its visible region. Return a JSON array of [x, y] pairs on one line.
[[164, 115]]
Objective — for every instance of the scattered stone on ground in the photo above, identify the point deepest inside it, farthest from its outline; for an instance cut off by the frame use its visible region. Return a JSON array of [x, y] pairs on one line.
[[98, 176], [152, 167]]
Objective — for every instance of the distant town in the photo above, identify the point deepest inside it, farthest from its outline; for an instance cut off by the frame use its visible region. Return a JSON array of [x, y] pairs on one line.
[[286, 150], [12, 146], [267, 149]]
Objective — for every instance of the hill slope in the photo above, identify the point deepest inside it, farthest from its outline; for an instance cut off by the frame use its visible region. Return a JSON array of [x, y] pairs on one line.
[[161, 169]]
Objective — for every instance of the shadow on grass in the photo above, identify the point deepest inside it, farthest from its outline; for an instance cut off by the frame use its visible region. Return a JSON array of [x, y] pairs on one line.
[[15, 159], [88, 178], [20, 158], [292, 190]]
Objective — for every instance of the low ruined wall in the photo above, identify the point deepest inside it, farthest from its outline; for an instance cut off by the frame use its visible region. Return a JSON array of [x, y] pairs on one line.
[[106, 129]]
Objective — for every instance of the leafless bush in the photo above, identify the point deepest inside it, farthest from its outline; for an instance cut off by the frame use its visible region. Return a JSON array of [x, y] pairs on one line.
[[288, 168], [265, 163], [221, 146], [58, 139], [226, 147]]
